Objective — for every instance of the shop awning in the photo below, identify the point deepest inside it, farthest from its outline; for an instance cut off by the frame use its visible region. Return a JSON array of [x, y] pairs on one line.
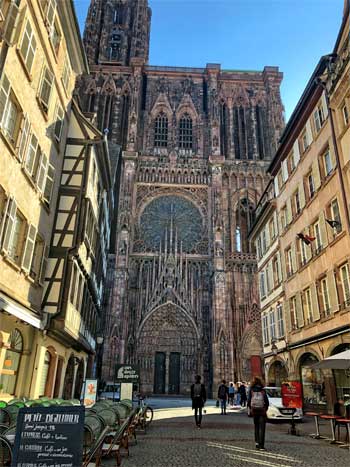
[[339, 361], [21, 312]]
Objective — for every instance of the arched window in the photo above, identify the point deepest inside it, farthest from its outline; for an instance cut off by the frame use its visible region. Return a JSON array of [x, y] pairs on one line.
[[244, 221], [185, 132], [9, 373], [161, 131], [238, 239]]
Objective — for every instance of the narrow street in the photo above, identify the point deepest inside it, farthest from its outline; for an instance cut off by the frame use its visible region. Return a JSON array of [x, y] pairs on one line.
[[173, 441]]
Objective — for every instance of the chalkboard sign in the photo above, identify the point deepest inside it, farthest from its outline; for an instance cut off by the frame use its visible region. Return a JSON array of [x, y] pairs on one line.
[[49, 437], [126, 373]]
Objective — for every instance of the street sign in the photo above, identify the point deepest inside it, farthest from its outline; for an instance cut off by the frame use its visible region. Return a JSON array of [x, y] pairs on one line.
[[292, 395], [126, 373], [49, 436], [89, 392]]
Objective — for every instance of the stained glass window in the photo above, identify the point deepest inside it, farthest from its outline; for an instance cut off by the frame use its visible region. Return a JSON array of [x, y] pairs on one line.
[[171, 213], [185, 132], [161, 131]]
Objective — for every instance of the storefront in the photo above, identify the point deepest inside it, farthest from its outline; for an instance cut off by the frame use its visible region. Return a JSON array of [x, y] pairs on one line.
[[342, 377], [277, 374], [313, 384]]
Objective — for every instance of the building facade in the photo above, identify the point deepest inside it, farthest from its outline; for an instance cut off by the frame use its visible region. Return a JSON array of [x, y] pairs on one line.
[[309, 194], [41, 55], [195, 147]]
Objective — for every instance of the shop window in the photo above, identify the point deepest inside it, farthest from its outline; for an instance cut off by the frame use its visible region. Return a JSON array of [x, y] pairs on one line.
[[312, 382], [341, 377], [11, 364]]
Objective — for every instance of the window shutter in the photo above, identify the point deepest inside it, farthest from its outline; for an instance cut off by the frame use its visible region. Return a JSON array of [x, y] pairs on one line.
[[41, 178], [29, 248], [332, 289], [324, 105], [301, 195], [316, 174], [50, 180], [3, 218], [289, 211], [323, 230], [283, 266], [31, 154], [24, 137], [10, 24], [9, 222], [309, 132], [277, 191], [299, 311], [43, 266], [287, 315], [296, 153], [279, 267], [314, 300], [284, 170], [4, 95], [294, 257], [308, 248]]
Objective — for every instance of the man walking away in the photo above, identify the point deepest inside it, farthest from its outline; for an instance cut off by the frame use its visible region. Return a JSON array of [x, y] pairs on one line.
[[258, 403], [231, 394], [243, 393], [199, 397], [222, 396]]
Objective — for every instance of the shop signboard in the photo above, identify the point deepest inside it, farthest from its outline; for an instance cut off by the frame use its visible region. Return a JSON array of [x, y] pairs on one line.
[[292, 395], [49, 436], [89, 392], [126, 373]]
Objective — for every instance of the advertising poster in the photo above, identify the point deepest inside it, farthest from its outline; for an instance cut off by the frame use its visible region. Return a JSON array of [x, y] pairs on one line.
[[292, 395]]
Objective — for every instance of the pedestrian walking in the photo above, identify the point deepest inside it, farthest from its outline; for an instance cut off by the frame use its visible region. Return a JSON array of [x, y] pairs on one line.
[[258, 403], [243, 393], [223, 396], [237, 394], [199, 397], [231, 394]]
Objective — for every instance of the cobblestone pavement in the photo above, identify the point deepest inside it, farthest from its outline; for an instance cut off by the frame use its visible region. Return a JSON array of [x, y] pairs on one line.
[[172, 440]]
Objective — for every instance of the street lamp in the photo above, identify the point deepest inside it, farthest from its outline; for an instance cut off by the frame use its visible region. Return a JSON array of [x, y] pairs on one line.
[[274, 348]]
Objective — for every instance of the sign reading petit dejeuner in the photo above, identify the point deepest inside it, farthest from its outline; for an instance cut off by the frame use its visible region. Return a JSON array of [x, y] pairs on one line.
[[49, 437]]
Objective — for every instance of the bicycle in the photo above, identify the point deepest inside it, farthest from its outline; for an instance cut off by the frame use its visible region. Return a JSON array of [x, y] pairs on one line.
[[146, 411]]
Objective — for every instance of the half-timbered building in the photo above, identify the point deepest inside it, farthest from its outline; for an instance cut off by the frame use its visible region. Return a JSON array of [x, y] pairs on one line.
[[77, 264]]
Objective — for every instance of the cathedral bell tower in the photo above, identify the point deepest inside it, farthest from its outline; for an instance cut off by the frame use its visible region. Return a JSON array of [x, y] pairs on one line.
[[117, 31]]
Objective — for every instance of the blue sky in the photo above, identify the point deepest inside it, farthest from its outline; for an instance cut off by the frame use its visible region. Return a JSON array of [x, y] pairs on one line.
[[244, 34]]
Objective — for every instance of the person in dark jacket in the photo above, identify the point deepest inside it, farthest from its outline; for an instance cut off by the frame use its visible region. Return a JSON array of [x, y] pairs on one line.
[[258, 403], [223, 396], [243, 393], [199, 397]]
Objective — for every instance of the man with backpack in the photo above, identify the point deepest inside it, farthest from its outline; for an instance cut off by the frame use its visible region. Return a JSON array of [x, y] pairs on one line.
[[258, 403], [223, 396]]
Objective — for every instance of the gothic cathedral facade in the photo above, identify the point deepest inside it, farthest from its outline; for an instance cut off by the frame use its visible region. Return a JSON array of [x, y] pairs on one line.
[[195, 144]]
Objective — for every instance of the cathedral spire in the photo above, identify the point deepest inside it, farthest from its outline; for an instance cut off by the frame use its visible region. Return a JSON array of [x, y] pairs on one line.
[[117, 31]]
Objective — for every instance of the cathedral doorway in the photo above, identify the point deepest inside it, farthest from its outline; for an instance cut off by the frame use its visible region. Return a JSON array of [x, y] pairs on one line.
[[168, 353]]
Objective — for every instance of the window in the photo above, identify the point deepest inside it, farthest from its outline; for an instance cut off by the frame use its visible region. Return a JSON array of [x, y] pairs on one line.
[[14, 233], [55, 36], [44, 373], [24, 138], [307, 305], [11, 362], [272, 230], [276, 271], [311, 185], [33, 156], [59, 122], [185, 132], [11, 20], [10, 112], [318, 118], [265, 324], [263, 241], [258, 246], [262, 284], [49, 9], [303, 252], [289, 261], [345, 282], [238, 239], [280, 321], [293, 312], [38, 259], [272, 322], [325, 296], [49, 183], [284, 217], [28, 46], [327, 163], [45, 89], [267, 275], [304, 141], [336, 217], [346, 116], [296, 203], [161, 131], [317, 235], [66, 75], [291, 163]]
